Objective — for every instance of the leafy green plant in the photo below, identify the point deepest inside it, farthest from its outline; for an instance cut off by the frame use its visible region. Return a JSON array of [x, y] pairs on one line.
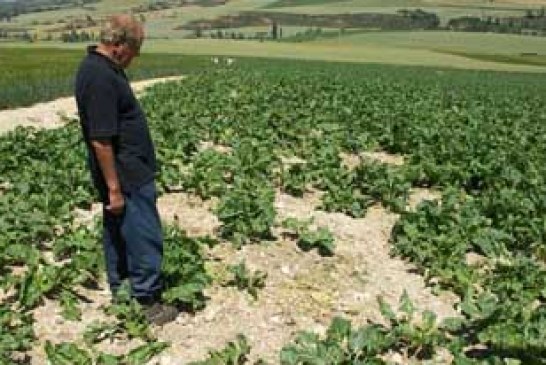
[[70, 353], [244, 279], [144, 353], [344, 344], [370, 182], [247, 212], [130, 321], [184, 273], [235, 353], [16, 332], [210, 174], [67, 353], [321, 238], [69, 304], [295, 179]]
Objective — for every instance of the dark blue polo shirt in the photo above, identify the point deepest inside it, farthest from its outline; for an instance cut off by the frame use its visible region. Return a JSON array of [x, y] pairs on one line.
[[109, 110]]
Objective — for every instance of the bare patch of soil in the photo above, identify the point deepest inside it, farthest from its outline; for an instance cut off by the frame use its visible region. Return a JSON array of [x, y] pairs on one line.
[[53, 114], [304, 291], [351, 161], [418, 195]]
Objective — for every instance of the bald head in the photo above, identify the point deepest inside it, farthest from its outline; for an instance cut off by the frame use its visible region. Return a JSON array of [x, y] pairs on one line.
[[122, 29]]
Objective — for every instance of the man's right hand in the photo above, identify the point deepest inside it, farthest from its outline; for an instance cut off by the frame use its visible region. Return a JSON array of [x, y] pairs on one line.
[[116, 202], [105, 156]]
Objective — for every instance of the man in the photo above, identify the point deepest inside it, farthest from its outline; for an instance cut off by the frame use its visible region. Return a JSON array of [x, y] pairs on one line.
[[123, 165]]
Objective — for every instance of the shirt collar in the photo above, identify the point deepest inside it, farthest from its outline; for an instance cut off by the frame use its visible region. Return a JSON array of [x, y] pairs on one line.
[[92, 50]]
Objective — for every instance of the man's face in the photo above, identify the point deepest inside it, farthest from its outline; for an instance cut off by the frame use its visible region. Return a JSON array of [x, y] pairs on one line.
[[127, 51]]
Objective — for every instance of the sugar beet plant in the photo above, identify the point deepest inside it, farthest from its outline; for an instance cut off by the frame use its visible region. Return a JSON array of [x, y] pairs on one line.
[[46, 253], [480, 137], [417, 336]]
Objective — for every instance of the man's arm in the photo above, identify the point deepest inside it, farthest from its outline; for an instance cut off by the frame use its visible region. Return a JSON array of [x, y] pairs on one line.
[[105, 156]]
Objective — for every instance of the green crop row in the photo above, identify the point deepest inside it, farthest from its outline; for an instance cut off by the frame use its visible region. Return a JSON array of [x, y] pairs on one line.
[[479, 137], [46, 253]]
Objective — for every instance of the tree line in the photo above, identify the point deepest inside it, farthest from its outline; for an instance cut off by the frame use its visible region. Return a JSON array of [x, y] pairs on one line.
[[533, 22], [9, 10]]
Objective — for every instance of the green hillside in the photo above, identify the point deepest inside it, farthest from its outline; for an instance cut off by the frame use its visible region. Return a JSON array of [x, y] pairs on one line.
[[409, 32]]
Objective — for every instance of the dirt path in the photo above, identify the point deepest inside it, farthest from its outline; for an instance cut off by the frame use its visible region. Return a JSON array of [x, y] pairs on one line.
[[50, 114]]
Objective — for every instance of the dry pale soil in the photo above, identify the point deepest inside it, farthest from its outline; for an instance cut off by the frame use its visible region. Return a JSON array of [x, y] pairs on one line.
[[304, 291]]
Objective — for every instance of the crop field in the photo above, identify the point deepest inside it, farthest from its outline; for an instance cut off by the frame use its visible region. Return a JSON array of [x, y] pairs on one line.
[[357, 50], [39, 74], [43, 72], [238, 138], [166, 33], [485, 43]]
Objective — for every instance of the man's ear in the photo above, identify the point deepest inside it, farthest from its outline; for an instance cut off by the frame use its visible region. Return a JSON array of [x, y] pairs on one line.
[[116, 55]]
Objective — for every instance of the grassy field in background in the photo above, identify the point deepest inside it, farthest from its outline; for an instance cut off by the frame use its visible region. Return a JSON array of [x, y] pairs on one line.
[[489, 43], [31, 74], [436, 49], [332, 50], [534, 60], [439, 49]]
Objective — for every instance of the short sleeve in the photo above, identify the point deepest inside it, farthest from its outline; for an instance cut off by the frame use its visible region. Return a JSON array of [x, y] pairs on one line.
[[101, 108]]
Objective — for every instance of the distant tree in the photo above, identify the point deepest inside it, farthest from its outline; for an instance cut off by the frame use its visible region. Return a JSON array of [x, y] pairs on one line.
[[84, 37], [274, 30], [89, 20], [27, 37]]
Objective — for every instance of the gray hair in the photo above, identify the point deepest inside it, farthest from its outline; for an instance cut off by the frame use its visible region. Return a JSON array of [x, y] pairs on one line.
[[119, 29]]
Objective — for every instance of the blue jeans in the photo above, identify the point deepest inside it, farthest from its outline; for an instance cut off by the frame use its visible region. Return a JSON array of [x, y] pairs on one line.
[[133, 244]]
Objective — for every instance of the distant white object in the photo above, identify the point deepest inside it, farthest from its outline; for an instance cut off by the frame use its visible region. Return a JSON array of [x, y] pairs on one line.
[[228, 61]]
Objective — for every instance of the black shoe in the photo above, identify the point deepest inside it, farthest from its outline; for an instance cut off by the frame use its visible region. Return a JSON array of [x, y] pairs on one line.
[[159, 313]]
